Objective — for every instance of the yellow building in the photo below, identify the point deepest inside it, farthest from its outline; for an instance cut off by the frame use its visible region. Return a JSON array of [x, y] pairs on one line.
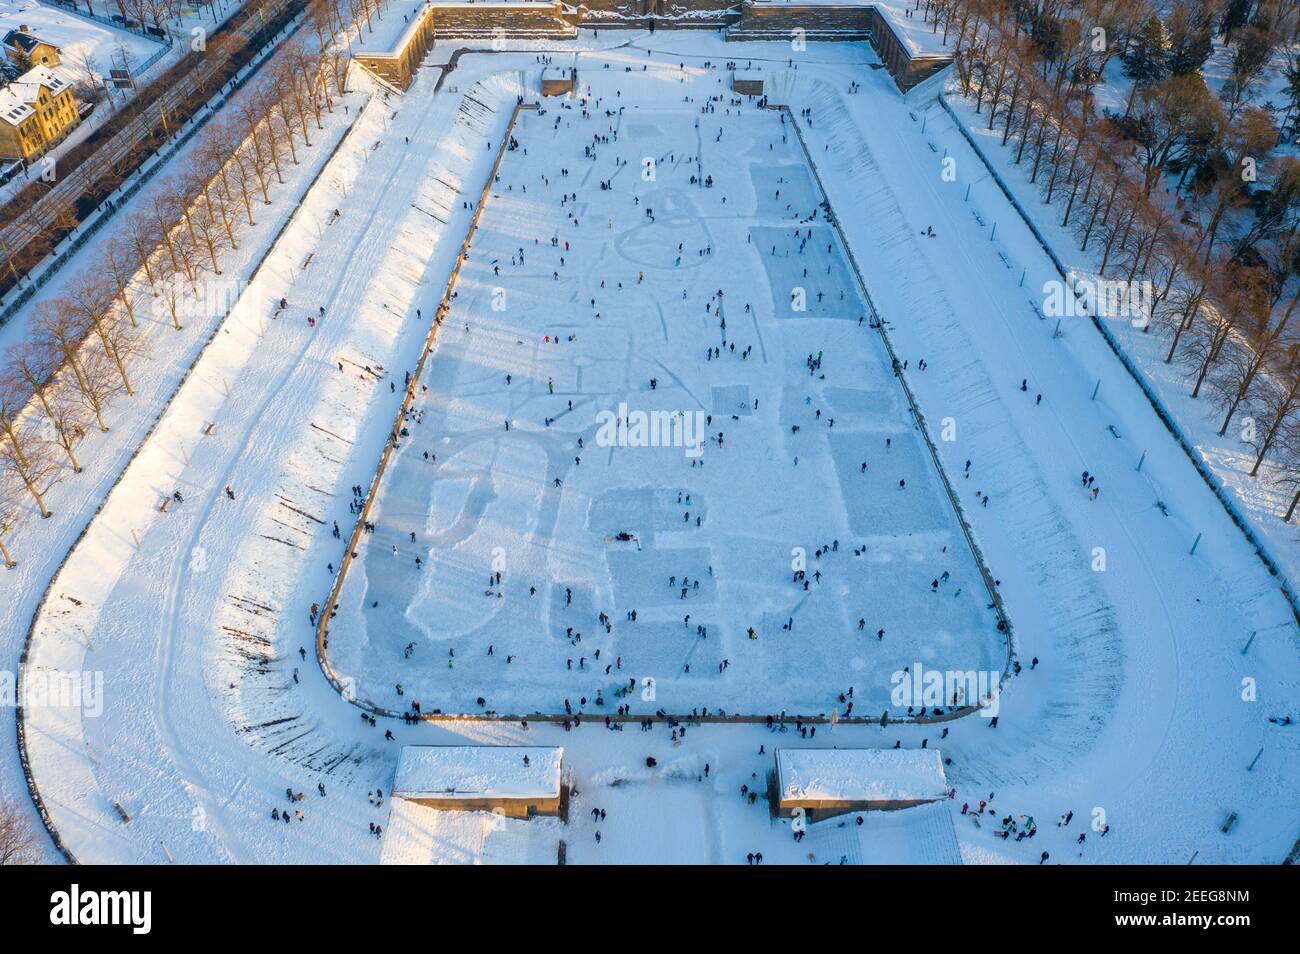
[[37, 111], [25, 51]]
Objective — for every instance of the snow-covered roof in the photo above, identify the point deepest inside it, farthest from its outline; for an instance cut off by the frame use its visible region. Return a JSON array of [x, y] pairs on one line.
[[748, 76], [478, 771], [19, 97], [20, 40], [860, 775]]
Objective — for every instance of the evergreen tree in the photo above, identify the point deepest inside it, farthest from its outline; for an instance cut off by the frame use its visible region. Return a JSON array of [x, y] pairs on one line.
[[1292, 92], [1235, 15], [1191, 39], [1147, 61]]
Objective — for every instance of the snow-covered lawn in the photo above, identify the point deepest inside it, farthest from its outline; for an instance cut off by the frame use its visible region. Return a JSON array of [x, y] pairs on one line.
[[79, 39]]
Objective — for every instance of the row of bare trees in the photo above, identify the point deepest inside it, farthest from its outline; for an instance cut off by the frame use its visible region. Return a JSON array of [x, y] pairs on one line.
[[162, 264], [1179, 197]]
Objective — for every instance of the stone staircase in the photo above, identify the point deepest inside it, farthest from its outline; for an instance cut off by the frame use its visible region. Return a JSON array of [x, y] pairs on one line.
[[658, 14], [765, 21], [513, 21]]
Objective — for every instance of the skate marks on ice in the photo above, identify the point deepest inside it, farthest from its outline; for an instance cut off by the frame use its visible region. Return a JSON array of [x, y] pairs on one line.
[[731, 399], [564, 563]]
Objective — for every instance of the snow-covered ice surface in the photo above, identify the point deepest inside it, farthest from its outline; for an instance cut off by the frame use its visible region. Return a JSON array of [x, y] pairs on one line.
[[1134, 716], [582, 327]]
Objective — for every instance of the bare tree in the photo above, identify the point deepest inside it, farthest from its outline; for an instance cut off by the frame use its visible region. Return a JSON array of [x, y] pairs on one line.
[[141, 232], [10, 510], [172, 293], [1241, 374], [18, 844], [210, 233], [120, 263], [91, 299], [1239, 302], [1279, 408], [245, 178], [54, 323], [21, 451], [170, 237], [33, 369], [257, 153]]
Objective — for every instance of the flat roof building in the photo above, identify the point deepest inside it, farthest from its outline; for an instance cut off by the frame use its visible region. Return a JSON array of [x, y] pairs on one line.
[[825, 782], [559, 80], [515, 780]]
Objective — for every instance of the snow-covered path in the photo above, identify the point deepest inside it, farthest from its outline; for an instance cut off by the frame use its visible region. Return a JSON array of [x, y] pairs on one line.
[[40, 545]]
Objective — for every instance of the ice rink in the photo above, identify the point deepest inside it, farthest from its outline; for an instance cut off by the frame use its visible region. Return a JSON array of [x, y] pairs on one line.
[[575, 311]]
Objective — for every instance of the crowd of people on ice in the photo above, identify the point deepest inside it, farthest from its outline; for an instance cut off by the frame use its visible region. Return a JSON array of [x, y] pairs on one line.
[[569, 258]]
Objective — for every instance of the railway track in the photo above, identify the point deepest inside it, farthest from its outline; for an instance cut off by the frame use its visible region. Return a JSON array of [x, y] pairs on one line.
[[36, 220]]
